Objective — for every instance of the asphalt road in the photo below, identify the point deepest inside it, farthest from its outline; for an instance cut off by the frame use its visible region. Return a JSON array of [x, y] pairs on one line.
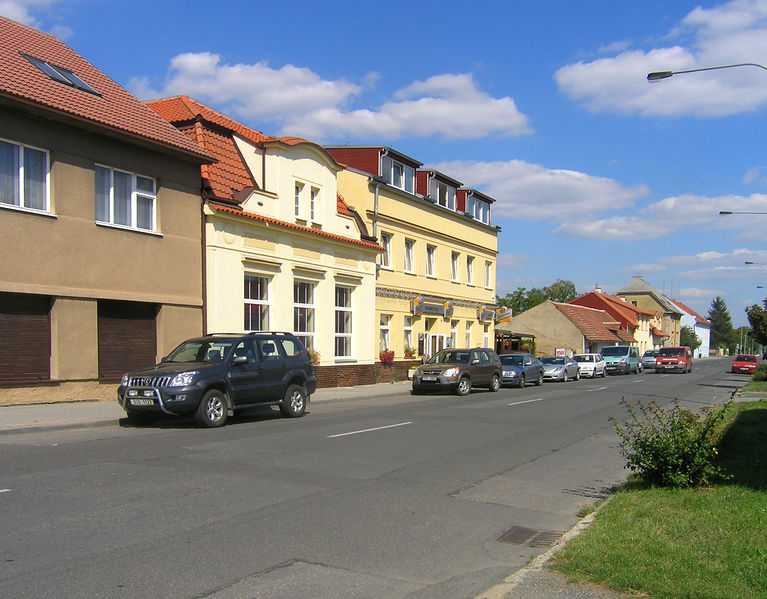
[[388, 498]]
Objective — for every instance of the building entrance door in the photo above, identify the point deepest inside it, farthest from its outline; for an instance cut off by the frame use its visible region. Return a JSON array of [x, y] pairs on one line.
[[436, 343]]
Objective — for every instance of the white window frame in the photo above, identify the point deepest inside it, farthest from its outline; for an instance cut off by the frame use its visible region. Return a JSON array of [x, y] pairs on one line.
[[19, 180], [407, 332], [306, 336], [262, 301], [314, 194], [386, 256], [346, 314], [136, 194], [467, 335], [298, 208], [488, 274], [453, 333], [431, 253], [384, 333], [398, 174], [454, 266], [409, 265], [470, 270]]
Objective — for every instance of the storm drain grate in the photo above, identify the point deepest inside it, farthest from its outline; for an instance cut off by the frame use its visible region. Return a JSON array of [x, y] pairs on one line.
[[519, 535]]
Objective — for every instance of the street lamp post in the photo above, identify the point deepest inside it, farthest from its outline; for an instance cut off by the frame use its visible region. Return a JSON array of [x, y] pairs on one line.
[[658, 75]]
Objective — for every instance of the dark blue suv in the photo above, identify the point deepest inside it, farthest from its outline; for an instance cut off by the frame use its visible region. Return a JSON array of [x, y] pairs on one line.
[[212, 376]]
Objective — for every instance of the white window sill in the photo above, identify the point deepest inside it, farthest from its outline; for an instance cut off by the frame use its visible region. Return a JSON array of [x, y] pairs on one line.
[[345, 360], [128, 229], [16, 208]]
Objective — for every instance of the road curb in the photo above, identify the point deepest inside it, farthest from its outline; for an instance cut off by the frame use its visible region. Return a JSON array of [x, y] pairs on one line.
[[504, 590]]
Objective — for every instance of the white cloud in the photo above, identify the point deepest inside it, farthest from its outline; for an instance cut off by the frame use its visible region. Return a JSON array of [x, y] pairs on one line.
[[302, 103], [644, 268], [512, 260], [21, 10], [533, 192], [731, 33]]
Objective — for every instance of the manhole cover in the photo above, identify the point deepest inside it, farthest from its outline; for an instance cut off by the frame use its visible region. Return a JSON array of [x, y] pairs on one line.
[[519, 535]]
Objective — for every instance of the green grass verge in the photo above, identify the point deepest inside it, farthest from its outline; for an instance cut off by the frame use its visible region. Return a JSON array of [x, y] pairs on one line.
[[758, 386], [686, 543]]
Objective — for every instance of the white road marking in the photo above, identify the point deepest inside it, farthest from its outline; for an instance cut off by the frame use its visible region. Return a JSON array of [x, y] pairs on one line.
[[368, 430], [516, 403], [598, 389], [5, 490], [639, 380]]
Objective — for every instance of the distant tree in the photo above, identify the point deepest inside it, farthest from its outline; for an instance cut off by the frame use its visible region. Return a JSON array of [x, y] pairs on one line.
[[757, 318], [688, 337], [561, 291], [722, 332], [522, 299]]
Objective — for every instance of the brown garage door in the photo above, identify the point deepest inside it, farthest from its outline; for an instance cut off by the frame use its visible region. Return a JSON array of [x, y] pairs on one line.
[[25, 338], [127, 337]]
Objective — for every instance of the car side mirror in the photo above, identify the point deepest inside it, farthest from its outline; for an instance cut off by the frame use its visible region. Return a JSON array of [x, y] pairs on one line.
[[239, 360], [475, 362]]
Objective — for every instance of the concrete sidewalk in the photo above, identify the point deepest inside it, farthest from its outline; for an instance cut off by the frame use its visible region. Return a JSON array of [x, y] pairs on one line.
[[88, 413]]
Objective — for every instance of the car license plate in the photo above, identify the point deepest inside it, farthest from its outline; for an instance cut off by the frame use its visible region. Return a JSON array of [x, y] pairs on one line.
[[428, 378], [140, 401]]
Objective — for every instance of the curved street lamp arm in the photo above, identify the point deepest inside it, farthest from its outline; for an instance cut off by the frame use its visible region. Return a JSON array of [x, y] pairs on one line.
[[657, 76]]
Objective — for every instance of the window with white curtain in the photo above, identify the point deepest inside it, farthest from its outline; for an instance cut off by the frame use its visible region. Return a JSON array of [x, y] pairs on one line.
[[23, 176], [343, 339], [256, 303], [125, 199], [303, 312]]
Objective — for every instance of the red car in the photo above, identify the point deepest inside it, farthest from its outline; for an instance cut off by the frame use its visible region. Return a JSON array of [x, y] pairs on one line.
[[745, 363]]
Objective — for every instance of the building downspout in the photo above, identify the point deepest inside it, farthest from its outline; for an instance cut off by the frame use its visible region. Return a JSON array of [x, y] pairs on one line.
[[375, 213], [204, 261]]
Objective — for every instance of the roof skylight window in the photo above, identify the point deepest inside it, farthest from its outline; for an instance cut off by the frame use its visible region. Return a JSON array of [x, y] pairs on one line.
[[60, 74]]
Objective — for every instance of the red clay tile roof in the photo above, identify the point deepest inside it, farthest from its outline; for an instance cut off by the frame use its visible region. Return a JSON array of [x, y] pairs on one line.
[[659, 333], [698, 317], [624, 310], [341, 206], [115, 111], [227, 209], [596, 325]]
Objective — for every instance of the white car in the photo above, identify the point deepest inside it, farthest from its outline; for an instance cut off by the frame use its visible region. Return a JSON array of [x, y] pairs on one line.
[[591, 365]]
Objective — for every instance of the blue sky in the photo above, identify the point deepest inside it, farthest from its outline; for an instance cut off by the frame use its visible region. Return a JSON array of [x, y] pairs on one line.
[[598, 174]]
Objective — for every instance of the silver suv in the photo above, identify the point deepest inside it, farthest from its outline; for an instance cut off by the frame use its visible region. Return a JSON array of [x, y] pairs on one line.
[[459, 370]]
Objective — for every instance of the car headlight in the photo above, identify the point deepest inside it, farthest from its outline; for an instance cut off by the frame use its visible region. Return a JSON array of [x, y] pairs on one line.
[[124, 381], [451, 372], [183, 379]]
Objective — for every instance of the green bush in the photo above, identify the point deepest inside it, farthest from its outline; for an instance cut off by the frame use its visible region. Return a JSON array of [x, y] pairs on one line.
[[760, 374], [670, 447]]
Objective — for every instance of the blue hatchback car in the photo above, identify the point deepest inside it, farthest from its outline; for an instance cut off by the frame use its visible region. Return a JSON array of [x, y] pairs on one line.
[[520, 369]]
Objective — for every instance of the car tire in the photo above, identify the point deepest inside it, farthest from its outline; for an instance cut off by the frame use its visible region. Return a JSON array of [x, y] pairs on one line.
[[578, 375], [565, 377], [495, 383], [539, 382], [522, 381], [464, 386], [213, 409], [293, 405]]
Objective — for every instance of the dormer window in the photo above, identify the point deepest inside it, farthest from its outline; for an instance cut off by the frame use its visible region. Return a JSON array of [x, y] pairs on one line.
[[398, 174], [60, 74], [442, 193], [478, 209]]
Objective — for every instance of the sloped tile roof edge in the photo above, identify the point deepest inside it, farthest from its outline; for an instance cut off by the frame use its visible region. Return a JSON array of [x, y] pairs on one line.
[[287, 225], [692, 312]]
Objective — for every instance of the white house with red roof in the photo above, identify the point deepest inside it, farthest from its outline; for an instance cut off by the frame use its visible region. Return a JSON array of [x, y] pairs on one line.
[[700, 326], [283, 251]]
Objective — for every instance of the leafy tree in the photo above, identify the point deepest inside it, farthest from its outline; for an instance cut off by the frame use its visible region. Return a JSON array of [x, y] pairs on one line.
[[757, 318], [722, 332], [688, 337], [522, 299]]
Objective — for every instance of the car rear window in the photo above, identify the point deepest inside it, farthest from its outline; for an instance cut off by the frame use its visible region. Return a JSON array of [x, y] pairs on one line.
[[672, 351], [745, 359]]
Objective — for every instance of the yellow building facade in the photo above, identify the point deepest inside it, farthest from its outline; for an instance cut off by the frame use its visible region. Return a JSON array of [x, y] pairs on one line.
[[435, 280]]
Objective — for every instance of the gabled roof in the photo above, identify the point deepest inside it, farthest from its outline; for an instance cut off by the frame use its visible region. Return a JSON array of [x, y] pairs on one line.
[[639, 286], [698, 318], [112, 110], [626, 311], [596, 325]]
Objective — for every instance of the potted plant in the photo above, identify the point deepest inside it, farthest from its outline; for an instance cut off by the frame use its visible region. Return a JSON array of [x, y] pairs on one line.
[[409, 351], [314, 355], [387, 356]]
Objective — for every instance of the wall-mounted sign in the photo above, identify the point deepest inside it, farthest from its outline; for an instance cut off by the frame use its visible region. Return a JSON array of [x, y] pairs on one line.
[[419, 307], [485, 315], [448, 309], [503, 314]]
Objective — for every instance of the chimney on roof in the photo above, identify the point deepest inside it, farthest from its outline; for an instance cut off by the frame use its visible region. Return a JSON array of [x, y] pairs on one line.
[[598, 289]]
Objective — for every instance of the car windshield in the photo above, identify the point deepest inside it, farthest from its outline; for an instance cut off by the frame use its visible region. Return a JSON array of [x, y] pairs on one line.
[[584, 358], [201, 350], [511, 360], [451, 356], [553, 360], [672, 351], [615, 350], [746, 358]]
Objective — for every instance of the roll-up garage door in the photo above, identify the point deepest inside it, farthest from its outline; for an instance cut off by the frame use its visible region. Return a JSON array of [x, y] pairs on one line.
[[127, 337], [25, 338]]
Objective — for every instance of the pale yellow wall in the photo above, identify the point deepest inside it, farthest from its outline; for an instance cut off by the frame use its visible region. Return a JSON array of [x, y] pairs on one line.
[[237, 247], [406, 217], [551, 328], [670, 323]]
